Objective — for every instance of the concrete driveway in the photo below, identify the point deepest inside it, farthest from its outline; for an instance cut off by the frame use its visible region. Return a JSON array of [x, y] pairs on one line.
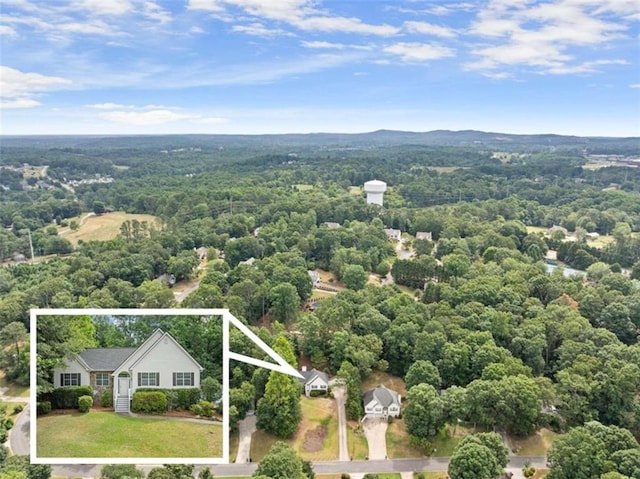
[[246, 428], [339, 393], [375, 430]]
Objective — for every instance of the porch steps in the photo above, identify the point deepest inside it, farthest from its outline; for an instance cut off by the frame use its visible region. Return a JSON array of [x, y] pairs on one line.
[[122, 404]]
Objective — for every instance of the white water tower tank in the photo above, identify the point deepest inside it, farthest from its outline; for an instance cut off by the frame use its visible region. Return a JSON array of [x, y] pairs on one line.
[[375, 190]]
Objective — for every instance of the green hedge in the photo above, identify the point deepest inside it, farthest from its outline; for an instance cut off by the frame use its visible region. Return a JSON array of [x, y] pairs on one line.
[[43, 407], [181, 398], [85, 403], [67, 397], [149, 402], [107, 399]]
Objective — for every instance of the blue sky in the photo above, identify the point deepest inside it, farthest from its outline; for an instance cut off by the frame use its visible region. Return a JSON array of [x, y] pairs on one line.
[[280, 66]]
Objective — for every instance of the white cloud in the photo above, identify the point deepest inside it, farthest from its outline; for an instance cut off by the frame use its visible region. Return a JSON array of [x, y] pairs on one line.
[[259, 30], [6, 30], [19, 103], [106, 7], [206, 5], [333, 46], [301, 14], [108, 106], [429, 29], [418, 52], [211, 120], [18, 89], [546, 35], [143, 118], [634, 85], [153, 11]]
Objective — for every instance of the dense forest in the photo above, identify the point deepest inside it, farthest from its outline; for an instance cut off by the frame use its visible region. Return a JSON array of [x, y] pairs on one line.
[[473, 320]]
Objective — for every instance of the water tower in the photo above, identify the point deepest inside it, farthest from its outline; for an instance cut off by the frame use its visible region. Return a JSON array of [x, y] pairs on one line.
[[375, 190]]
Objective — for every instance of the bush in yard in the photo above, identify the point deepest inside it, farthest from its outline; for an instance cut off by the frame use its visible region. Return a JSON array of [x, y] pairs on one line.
[[121, 471], [67, 397], [43, 407], [177, 398], [149, 402], [106, 399], [17, 408], [207, 408], [85, 403], [7, 423], [3, 435]]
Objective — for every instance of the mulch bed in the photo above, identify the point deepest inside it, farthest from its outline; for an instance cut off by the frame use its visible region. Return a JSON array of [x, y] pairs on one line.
[[314, 438]]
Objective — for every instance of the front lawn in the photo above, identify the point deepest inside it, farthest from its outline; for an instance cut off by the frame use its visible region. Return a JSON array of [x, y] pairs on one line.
[[106, 434], [398, 443], [536, 444], [13, 390], [317, 435]]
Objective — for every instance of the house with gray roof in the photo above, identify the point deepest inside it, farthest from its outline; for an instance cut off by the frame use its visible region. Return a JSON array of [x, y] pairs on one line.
[[159, 362], [381, 402], [314, 380]]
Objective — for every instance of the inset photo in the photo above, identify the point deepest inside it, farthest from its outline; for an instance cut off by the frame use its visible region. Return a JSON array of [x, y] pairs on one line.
[[128, 385]]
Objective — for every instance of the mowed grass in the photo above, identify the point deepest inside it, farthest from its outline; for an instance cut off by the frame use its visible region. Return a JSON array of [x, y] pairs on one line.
[[356, 442], [106, 434], [398, 443], [104, 227], [315, 412], [536, 444], [432, 475], [11, 407]]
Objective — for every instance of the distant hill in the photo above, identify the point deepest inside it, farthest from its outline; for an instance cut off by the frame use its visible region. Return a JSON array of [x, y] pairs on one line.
[[380, 138]]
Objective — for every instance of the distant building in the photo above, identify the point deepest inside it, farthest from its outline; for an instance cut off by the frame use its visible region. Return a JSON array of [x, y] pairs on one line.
[[381, 402], [332, 226], [393, 234], [422, 235], [555, 228], [375, 191]]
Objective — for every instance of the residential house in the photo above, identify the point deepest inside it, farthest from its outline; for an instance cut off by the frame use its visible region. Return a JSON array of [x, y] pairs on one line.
[[332, 225], [314, 276], [158, 362], [393, 234], [314, 380], [381, 402], [423, 235]]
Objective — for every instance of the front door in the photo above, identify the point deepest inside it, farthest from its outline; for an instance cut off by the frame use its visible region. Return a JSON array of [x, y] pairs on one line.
[[123, 386]]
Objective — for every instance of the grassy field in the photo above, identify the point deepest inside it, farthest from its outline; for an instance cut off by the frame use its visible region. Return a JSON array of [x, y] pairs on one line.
[[356, 442], [13, 390], [433, 475], [103, 227], [355, 190], [398, 444], [535, 445], [376, 378], [311, 444], [106, 434]]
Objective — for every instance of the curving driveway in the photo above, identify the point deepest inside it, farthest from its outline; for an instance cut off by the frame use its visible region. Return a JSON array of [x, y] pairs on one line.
[[20, 433], [246, 428]]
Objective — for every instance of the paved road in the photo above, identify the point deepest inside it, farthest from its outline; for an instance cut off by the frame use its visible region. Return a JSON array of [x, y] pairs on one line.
[[339, 395], [324, 467], [19, 434], [246, 428]]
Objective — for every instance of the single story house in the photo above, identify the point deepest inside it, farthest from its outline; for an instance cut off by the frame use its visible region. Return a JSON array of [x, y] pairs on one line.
[[381, 402], [314, 380], [424, 235], [332, 225], [158, 362]]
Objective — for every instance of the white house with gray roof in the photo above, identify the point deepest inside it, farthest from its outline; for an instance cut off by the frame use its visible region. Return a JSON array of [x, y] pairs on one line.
[[158, 362], [314, 380], [381, 402]]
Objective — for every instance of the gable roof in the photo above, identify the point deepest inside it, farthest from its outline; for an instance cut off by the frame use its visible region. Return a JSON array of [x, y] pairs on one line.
[[115, 359], [382, 395], [311, 375], [105, 359]]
